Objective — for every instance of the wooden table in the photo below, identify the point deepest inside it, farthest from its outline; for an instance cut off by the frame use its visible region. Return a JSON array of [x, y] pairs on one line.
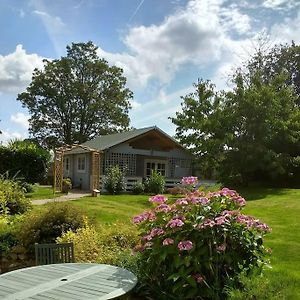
[[66, 281]]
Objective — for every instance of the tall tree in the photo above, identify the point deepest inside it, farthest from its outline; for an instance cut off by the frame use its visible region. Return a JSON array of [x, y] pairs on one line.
[[76, 98], [251, 133]]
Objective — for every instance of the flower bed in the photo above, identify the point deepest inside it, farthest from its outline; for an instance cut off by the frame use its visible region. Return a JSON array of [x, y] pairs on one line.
[[197, 246]]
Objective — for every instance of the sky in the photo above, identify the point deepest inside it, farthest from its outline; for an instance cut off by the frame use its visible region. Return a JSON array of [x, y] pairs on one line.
[[163, 46]]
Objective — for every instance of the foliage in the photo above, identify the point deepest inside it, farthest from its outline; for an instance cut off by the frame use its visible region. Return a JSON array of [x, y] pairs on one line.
[[66, 185], [76, 97], [155, 184], [114, 181], [27, 187], [270, 61], [46, 225], [101, 244], [248, 134], [138, 188], [7, 236], [26, 159], [199, 245], [12, 198]]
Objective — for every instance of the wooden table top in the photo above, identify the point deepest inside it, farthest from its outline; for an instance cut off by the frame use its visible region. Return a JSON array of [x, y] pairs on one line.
[[66, 281]]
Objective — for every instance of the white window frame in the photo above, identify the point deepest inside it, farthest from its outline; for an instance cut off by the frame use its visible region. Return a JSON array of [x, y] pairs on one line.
[[156, 162], [79, 170]]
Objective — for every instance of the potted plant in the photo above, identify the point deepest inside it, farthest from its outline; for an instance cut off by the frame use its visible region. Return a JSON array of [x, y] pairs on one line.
[[66, 185]]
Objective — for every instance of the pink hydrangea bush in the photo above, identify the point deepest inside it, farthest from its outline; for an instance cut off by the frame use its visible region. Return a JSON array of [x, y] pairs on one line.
[[195, 246]]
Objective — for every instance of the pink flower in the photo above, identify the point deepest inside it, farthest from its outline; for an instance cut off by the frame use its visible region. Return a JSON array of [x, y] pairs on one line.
[[175, 223], [199, 278], [147, 237], [189, 180], [185, 245], [220, 220], [168, 241], [147, 215], [163, 207], [221, 248], [239, 200], [206, 223], [263, 227], [181, 202], [158, 199], [156, 231], [201, 200]]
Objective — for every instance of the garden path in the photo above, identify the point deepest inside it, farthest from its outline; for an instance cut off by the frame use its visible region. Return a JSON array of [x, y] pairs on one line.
[[72, 195]]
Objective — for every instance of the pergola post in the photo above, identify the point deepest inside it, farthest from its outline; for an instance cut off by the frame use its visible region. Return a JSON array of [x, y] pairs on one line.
[[58, 171]]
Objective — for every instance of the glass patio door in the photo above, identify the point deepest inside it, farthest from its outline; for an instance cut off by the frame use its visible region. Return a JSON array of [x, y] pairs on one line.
[[158, 166]]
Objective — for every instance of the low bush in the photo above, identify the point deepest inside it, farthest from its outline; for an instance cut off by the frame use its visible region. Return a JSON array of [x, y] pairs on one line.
[[138, 188], [7, 235], [45, 225], [114, 181], [101, 244], [12, 197], [196, 247], [155, 184], [27, 187]]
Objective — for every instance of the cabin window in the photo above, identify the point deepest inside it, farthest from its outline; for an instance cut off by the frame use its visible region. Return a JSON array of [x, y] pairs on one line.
[[81, 164], [67, 163]]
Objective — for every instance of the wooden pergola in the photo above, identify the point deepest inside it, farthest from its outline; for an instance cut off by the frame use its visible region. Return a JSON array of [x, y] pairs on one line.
[[59, 168]]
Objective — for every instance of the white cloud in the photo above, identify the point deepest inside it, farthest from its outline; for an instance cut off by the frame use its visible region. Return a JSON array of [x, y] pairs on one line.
[[53, 21], [16, 70], [195, 34], [20, 119], [280, 4], [287, 31], [233, 19], [8, 135], [135, 104]]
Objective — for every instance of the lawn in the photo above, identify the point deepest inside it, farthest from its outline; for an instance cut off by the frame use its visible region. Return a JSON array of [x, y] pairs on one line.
[[279, 208], [42, 192]]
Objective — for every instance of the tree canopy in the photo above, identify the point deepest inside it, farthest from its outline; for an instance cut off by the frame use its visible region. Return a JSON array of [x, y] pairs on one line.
[[76, 97], [251, 133]]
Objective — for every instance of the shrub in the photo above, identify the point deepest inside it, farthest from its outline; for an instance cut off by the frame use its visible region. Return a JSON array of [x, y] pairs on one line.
[[138, 188], [155, 184], [27, 159], [194, 247], [102, 244], [114, 181], [45, 225], [12, 197], [7, 235], [27, 187]]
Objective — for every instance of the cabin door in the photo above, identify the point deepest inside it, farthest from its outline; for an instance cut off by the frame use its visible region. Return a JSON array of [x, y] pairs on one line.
[[159, 166]]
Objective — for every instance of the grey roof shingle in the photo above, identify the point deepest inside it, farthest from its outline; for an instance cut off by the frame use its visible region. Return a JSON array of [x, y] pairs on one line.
[[106, 141]]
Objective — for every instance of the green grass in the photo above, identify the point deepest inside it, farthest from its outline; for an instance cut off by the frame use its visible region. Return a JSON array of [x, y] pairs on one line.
[[279, 208], [42, 192], [112, 208]]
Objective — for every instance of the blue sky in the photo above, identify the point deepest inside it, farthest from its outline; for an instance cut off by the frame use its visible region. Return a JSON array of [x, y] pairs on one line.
[[162, 45]]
